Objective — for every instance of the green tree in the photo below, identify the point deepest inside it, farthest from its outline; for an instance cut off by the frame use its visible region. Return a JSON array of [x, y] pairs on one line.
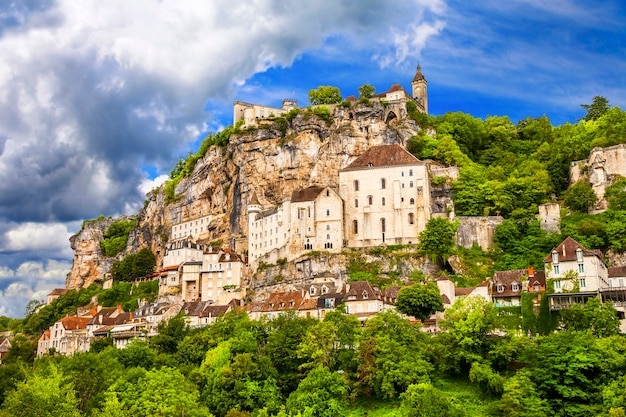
[[616, 195], [392, 356], [325, 94], [366, 91], [420, 300], [44, 393], [437, 239], [580, 197], [598, 107], [600, 319], [158, 392], [322, 393], [424, 400], [468, 324], [171, 332], [520, 398]]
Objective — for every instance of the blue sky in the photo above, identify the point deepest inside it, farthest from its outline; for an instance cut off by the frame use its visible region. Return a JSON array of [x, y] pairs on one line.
[[99, 99]]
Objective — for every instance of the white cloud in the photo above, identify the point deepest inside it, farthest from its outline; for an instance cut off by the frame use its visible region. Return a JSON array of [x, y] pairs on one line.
[[148, 185], [52, 237], [6, 272]]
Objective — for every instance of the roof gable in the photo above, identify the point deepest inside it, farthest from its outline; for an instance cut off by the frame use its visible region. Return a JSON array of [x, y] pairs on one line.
[[567, 251], [306, 194], [383, 156]]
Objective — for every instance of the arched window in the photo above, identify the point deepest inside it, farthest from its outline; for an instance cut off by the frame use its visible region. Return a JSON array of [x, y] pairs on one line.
[[412, 201], [356, 185], [327, 212], [411, 218], [410, 172], [411, 184], [382, 225], [383, 183], [355, 227], [370, 200]]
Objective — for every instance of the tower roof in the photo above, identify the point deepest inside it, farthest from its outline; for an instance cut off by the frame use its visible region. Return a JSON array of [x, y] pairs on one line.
[[418, 75], [254, 200], [383, 156]]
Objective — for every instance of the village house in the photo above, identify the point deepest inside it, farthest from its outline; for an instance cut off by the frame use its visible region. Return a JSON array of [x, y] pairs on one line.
[[506, 287], [576, 274], [67, 336], [54, 294], [5, 345], [194, 272]]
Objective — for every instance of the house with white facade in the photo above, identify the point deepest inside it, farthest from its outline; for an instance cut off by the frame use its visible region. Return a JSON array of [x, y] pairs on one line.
[[311, 219], [386, 194], [576, 274]]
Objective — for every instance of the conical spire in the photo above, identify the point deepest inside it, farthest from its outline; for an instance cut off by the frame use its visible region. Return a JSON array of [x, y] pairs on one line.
[[418, 75]]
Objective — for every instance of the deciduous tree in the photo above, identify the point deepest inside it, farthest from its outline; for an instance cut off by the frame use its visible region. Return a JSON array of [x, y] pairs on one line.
[[420, 300]]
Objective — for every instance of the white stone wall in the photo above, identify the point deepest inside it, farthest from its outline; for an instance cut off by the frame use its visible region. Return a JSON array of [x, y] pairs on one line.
[[405, 198], [193, 228]]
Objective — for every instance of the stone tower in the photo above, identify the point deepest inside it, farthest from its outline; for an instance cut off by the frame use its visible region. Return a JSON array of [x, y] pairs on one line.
[[420, 93], [254, 208]]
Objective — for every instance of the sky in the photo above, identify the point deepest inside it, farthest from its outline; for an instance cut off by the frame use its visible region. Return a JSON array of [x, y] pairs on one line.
[[99, 99]]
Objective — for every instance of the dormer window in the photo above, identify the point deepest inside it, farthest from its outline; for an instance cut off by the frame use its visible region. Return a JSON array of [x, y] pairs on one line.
[[291, 303], [579, 255], [515, 287], [365, 295], [500, 288], [324, 289], [555, 257], [312, 290], [282, 304]]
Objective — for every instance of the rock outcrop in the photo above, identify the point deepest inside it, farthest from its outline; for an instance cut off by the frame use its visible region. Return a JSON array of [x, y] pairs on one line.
[[271, 160]]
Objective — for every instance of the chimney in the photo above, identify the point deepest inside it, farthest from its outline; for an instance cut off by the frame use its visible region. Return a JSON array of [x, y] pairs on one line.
[[531, 272]]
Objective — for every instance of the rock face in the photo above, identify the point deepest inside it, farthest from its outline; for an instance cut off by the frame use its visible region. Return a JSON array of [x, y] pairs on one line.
[[602, 167], [271, 160], [89, 265]]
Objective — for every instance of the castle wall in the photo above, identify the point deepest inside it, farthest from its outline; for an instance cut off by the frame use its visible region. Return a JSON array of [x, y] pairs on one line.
[[479, 229]]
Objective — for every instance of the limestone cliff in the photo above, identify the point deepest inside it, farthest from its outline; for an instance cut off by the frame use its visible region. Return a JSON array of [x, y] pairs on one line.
[[272, 160]]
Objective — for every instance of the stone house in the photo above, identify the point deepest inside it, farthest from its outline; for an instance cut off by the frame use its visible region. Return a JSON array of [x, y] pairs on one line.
[[386, 194], [54, 294], [67, 336], [575, 272], [43, 343], [363, 300], [506, 287]]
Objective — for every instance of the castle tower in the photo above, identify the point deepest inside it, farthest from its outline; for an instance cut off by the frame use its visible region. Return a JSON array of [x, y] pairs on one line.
[[254, 208], [420, 93]]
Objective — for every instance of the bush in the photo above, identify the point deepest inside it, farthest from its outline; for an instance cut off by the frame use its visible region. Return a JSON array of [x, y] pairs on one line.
[[116, 237]]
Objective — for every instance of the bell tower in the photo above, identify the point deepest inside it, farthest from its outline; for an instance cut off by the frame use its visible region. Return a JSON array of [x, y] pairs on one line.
[[420, 93]]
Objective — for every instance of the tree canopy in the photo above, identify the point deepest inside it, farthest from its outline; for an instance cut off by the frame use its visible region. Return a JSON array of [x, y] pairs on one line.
[[325, 94]]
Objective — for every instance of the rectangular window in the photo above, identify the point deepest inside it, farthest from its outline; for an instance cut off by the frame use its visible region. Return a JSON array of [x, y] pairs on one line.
[[582, 282], [556, 269], [581, 267], [557, 285]]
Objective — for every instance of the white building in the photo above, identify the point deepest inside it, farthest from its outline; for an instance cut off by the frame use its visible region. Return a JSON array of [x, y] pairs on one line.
[[576, 273], [311, 219], [386, 192]]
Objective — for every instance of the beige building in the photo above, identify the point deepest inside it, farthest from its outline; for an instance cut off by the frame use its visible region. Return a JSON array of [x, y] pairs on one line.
[[311, 219], [250, 113], [193, 228], [386, 192]]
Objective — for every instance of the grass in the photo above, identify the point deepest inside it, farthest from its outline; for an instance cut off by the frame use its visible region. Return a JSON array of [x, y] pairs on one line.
[[375, 408]]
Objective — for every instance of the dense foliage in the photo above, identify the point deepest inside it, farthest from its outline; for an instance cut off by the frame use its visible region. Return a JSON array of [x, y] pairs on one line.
[[116, 237], [133, 266], [293, 366]]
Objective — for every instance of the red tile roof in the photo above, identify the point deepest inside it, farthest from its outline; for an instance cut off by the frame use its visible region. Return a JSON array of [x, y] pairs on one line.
[[506, 279], [283, 301], [617, 271], [567, 251], [75, 323], [362, 290], [306, 194], [383, 156]]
